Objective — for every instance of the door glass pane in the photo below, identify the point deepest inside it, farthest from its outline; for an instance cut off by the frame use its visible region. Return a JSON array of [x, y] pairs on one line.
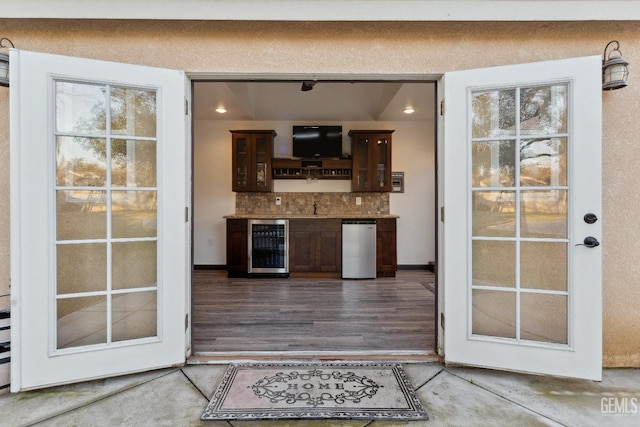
[[494, 213], [242, 161], [80, 162], [543, 110], [543, 214], [544, 318], [493, 163], [543, 162], [261, 161], [134, 315], [134, 213], [82, 321], [105, 190], [81, 214], [82, 268], [81, 108], [361, 157], [382, 145], [543, 265], [519, 213], [494, 313], [136, 264], [494, 263], [133, 112], [494, 113], [133, 163]]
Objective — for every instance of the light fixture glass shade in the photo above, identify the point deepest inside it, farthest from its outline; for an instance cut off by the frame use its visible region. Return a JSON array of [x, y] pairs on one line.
[[614, 68], [614, 75], [4, 69]]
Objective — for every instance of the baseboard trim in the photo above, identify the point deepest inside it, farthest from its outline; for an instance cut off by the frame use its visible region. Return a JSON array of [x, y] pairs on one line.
[[209, 267], [415, 267]]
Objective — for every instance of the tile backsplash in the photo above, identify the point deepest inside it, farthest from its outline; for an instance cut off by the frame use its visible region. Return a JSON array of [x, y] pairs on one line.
[[302, 203]]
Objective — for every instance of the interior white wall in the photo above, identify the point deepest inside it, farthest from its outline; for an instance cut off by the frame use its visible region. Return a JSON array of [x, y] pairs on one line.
[[412, 153]]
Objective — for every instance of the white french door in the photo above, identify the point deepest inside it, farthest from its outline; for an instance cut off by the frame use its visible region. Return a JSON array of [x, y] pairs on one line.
[[522, 193], [99, 235]]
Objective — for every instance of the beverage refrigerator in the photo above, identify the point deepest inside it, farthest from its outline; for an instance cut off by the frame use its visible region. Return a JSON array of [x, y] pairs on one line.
[[268, 247]]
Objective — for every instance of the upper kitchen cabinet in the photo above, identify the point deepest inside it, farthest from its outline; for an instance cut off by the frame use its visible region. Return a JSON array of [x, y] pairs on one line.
[[251, 159], [371, 153]]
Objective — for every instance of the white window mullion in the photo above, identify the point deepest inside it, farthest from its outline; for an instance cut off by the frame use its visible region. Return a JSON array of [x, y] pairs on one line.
[[517, 204], [109, 261]]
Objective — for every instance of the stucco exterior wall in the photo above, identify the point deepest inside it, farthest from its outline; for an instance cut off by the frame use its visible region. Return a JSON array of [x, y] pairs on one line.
[[384, 48]]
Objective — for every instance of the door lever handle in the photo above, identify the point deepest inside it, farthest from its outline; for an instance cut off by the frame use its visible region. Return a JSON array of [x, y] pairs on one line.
[[590, 242]]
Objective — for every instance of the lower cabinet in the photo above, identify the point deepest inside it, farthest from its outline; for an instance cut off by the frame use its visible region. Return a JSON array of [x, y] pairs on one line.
[[237, 257], [386, 253], [315, 247]]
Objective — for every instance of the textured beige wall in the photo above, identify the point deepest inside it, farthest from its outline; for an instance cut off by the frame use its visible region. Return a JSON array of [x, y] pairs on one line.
[[387, 48]]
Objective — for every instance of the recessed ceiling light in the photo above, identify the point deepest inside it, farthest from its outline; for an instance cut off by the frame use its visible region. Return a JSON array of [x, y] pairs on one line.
[[409, 110], [221, 110]]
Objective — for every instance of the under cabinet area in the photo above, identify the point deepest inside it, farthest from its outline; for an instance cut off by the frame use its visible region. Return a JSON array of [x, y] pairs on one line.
[[315, 246], [314, 169]]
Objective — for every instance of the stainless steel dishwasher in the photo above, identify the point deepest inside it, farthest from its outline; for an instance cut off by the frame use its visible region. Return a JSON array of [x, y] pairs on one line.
[[358, 249]]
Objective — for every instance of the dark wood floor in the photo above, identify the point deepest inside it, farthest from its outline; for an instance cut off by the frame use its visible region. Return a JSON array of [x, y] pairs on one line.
[[384, 316]]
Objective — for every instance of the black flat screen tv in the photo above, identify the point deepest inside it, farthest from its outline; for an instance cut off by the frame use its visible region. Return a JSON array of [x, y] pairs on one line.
[[317, 142]]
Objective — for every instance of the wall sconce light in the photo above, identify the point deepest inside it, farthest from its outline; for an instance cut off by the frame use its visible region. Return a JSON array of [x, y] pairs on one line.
[[4, 62], [221, 110], [409, 110], [614, 68]]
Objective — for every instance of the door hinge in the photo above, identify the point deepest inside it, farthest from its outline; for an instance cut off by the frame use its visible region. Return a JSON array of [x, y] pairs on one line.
[[186, 107], [442, 320], [442, 107], [442, 214], [186, 214], [186, 321]]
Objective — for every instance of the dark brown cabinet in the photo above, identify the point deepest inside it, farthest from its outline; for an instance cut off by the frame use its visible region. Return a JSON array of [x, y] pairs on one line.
[[237, 257], [386, 253], [371, 154], [315, 246], [252, 152]]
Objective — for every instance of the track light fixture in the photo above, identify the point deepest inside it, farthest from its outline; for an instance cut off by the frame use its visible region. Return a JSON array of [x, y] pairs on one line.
[[307, 86]]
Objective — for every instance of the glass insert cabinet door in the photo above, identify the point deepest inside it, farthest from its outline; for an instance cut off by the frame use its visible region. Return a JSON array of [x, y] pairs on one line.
[[519, 197], [252, 152], [106, 214], [371, 156]]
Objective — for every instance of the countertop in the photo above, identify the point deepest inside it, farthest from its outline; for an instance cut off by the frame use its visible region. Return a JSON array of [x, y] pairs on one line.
[[319, 216]]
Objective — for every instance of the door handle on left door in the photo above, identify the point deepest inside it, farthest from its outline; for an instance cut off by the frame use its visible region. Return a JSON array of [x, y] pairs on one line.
[[590, 242]]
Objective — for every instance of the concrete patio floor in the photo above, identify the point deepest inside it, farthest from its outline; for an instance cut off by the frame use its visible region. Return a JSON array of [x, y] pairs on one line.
[[452, 396]]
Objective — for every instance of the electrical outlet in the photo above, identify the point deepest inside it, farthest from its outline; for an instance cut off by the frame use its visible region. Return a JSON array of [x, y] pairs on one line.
[[278, 201], [358, 201]]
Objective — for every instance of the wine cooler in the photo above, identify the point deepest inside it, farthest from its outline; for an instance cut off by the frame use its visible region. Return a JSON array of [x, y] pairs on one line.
[[268, 247]]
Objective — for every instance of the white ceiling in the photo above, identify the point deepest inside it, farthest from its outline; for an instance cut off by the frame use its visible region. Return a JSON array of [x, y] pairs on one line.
[[327, 101]]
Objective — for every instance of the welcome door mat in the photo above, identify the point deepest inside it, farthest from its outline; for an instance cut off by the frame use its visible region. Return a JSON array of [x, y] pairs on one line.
[[357, 391]]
